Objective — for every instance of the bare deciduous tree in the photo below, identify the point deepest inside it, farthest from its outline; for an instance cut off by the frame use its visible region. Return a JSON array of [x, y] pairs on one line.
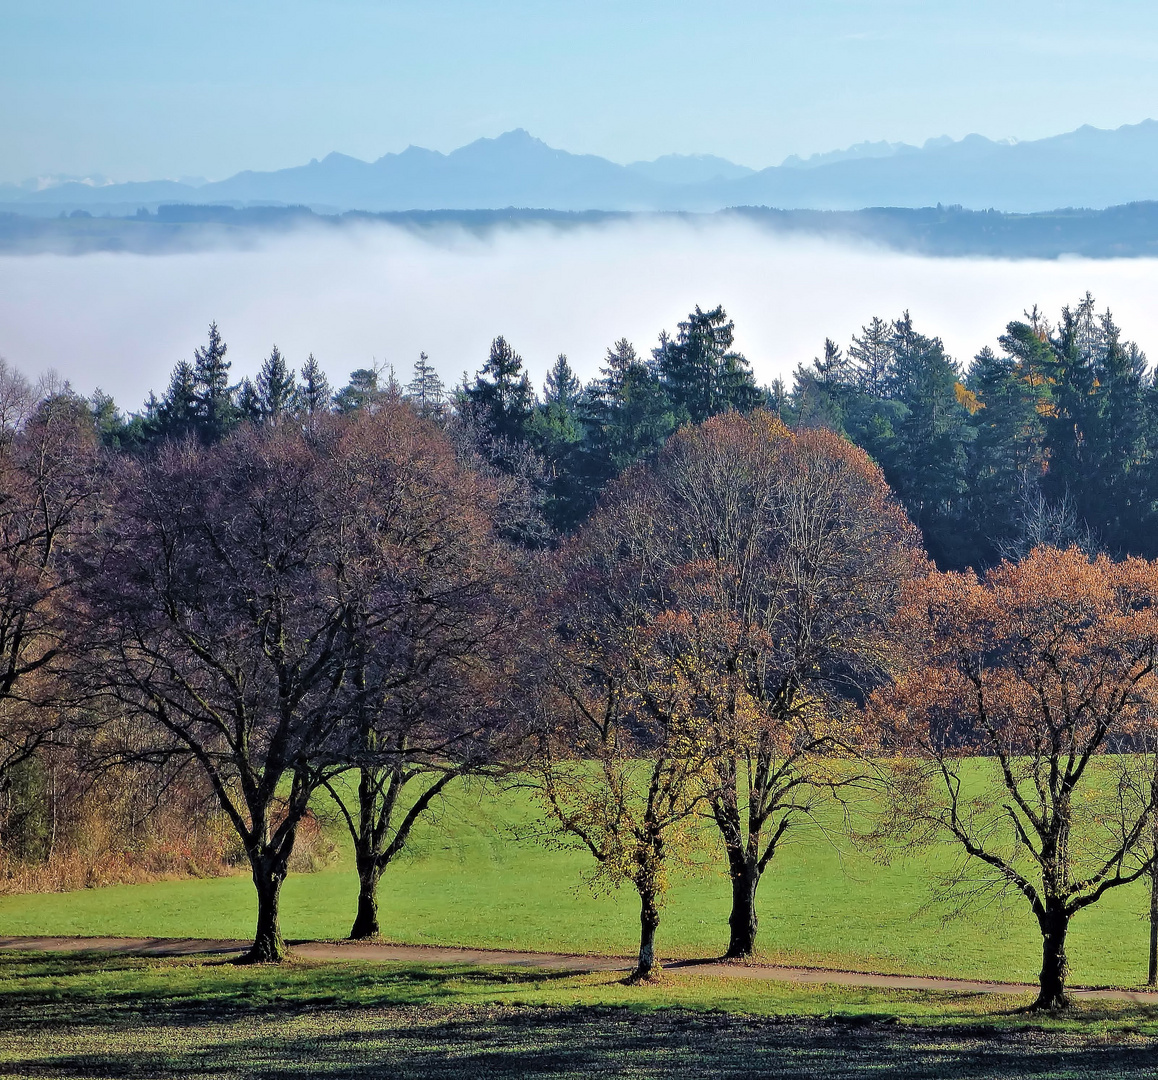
[[429, 626], [218, 603], [49, 477]]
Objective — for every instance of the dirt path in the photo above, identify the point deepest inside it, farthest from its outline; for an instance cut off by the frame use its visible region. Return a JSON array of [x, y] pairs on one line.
[[436, 954]]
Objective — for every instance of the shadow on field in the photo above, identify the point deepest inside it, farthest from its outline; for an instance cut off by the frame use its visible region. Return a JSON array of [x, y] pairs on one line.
[[578, 1042], [188, 997], [122, 1018]]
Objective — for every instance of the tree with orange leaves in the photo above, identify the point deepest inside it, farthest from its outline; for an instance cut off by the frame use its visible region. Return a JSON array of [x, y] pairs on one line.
[[755, 571], [781, 558], [1014, 733]]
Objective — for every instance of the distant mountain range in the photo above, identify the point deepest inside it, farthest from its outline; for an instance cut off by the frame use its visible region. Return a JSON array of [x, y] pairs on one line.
[[1089, 167]]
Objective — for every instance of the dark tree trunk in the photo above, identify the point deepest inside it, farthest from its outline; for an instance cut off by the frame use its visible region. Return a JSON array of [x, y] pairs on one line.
[[648, 923], [268, 944], [1152, 969], [366, 921], [1054, 966], [743, 921]]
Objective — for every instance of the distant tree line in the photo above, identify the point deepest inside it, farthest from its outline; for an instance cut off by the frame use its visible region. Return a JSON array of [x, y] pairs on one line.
[[691, 613], [1053, 436]]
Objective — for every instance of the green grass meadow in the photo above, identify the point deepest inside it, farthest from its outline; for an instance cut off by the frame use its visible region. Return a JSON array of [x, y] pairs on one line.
[[85, 1015], [477, 875]]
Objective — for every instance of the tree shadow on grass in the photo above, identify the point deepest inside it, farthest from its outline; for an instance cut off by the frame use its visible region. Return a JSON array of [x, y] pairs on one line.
[[124, 1017], [441, 1043], [102, 992]]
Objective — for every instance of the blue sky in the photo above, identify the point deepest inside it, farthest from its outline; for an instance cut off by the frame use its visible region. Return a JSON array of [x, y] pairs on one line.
[[139, 90]]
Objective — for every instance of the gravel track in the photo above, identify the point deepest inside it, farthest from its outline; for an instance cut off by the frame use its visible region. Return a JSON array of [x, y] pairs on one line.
[[370, 951]]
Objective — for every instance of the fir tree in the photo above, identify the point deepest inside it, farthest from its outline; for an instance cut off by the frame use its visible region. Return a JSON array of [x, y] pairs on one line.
[[177, 414], [276, 388], [501, 400], [425, 389], [315, 395], [216, 411]]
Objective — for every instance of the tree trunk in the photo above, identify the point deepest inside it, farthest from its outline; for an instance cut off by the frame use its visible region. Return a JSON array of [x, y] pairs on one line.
[[1152, 971], [1054, 966], [648, 923], [366, 921], [268, 944], [742, 922]]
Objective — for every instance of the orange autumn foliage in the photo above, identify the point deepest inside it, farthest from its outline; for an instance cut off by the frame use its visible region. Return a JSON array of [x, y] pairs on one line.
[[1041, 679]]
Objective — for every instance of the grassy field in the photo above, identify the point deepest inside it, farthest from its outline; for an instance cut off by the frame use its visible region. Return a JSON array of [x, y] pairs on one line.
[[477, 878], [114, 1017]]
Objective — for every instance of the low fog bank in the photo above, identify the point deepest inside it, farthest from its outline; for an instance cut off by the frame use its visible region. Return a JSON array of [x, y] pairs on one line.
[[383, 294]]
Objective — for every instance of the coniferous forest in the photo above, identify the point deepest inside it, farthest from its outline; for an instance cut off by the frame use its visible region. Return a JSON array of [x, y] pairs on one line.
[[1051, 435]]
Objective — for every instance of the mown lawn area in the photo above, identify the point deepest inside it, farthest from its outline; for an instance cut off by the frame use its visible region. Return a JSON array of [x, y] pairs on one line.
[[478, 876], [92, 1016]]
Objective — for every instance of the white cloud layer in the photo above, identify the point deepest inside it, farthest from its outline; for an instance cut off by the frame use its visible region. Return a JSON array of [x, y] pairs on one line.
[[383, 294]]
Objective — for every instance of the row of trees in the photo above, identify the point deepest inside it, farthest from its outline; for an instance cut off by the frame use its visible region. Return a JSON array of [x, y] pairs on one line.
[[744, 633], [305, 600], [749, 631], [1050, 438], [274, 610]]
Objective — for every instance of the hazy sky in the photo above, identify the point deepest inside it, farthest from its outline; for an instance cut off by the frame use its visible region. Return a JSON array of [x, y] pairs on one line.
[[380, 294], [137, 89]]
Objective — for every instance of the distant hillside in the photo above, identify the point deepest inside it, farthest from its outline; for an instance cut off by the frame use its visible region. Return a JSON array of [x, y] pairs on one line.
[[1117, 232], [1090, 168]]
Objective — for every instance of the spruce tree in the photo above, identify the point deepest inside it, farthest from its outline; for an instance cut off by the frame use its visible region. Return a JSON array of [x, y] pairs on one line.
[[833, 369], [425, 389], [562, 386], [620, 358], [276, 388], [1006, 459], [557, 432], [177, 412], [556, 425], [871, 357], [926, 463], [816, 402], [700, 373], [315, 395], [216, 411], [249, 406], [501, 400]]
